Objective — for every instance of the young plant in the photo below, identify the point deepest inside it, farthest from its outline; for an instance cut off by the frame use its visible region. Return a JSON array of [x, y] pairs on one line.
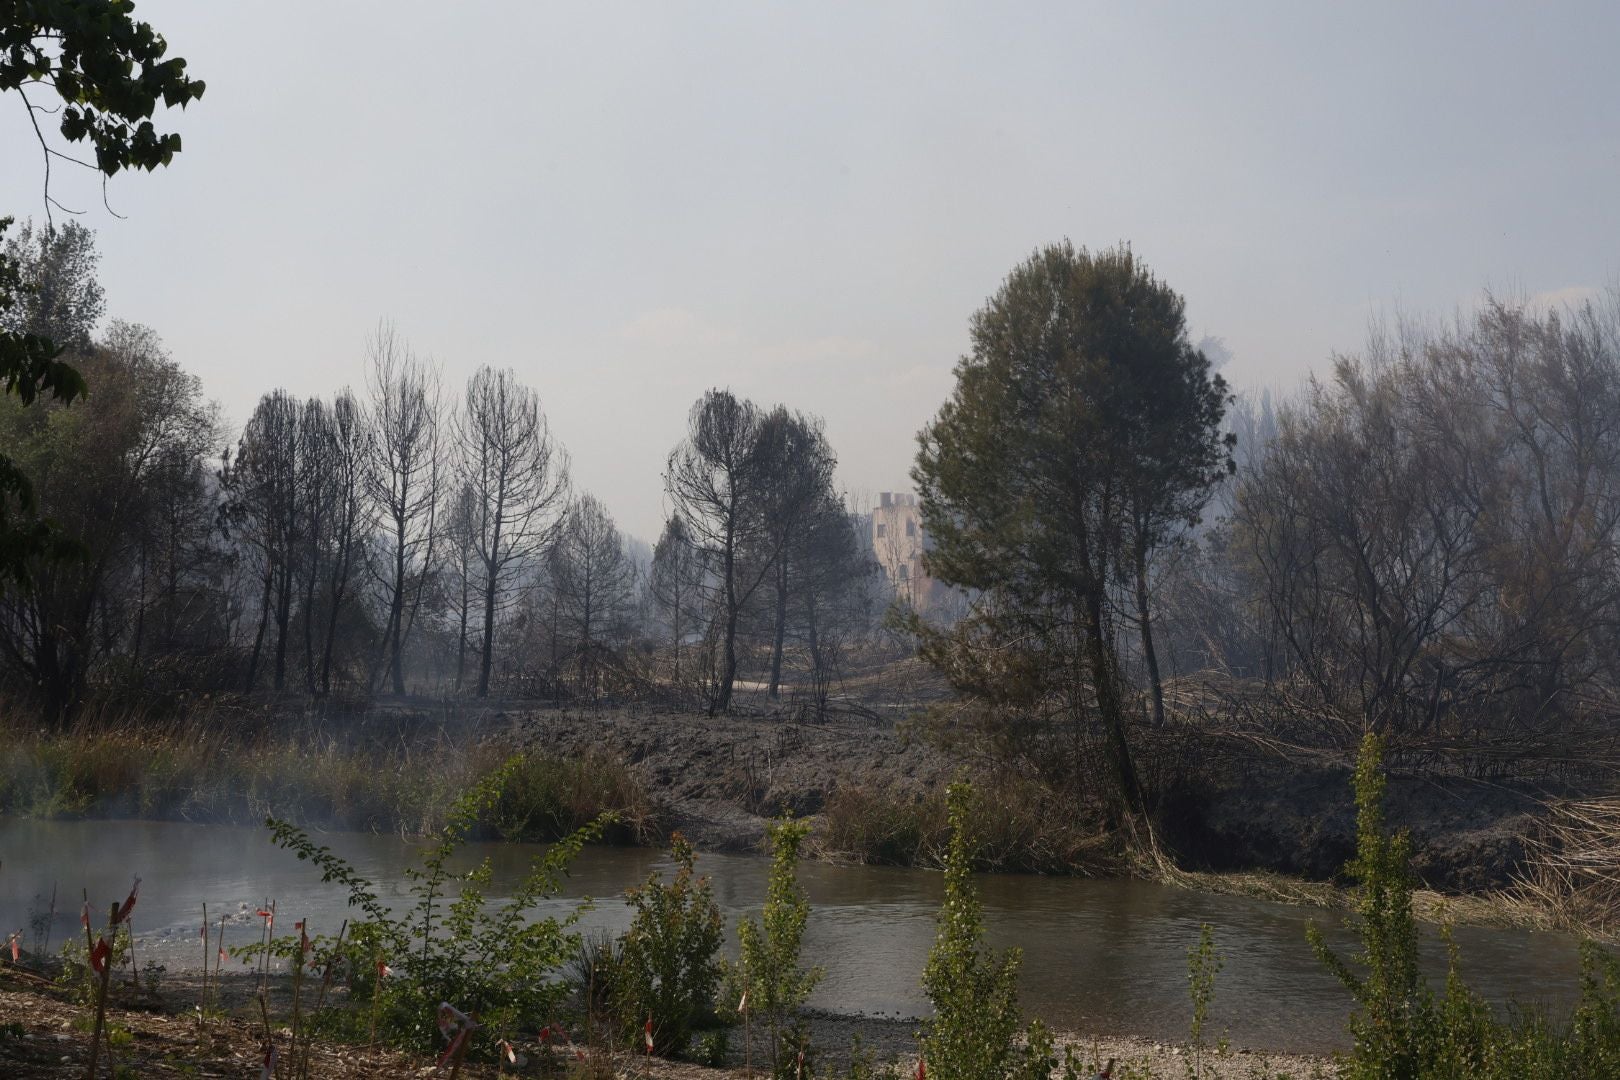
[[768, 975], [1394, 1007], [1203, 964], [973, 1034], [668, 969]]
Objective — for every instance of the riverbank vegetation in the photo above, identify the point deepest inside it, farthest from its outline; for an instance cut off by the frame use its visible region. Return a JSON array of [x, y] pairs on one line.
[[235, 765], [452, 977]]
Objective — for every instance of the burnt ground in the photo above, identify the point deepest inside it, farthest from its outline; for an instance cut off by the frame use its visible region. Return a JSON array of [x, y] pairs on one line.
[[722, 778], [1243, 805]]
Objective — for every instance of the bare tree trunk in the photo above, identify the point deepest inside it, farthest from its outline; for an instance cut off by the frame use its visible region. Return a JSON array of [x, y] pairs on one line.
[[283, 618], [487, 657], [1105, 683], [396, 618], [1145, 622], [781, 628], [461, 629], [264, 623], [728, 663]]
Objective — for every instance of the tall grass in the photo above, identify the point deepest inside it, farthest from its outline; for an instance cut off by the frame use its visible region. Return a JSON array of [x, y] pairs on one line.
[[215, 766]]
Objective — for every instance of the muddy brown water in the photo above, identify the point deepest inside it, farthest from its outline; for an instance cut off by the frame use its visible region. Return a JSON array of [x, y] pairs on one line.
[[1101, 956]]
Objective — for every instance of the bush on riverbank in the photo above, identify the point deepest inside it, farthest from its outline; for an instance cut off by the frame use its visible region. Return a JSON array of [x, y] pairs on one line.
[[1024, 827], [202, 768]]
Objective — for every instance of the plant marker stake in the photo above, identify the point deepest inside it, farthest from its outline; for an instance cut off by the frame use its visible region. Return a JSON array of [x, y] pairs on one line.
[[646, 1033], [105, 969], [269, 1068], [204, 1002], [922, 1069], [50, 923], [326, 983], [15, 946], [748, 1033], [120, 915], [383, 971], [298, 984], [265, 939]]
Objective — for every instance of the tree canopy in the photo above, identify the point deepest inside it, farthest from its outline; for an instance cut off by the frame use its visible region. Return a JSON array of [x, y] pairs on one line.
[[110, 74], [1081, 407]]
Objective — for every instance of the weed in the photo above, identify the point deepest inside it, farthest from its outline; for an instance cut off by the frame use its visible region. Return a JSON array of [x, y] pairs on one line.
[[1203, 964]]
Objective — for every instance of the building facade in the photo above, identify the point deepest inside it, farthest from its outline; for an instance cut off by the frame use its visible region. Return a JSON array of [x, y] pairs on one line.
[[898, 543]]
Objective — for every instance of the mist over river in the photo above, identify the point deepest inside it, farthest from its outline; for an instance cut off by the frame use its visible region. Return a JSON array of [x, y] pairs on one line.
[[1100, 956]]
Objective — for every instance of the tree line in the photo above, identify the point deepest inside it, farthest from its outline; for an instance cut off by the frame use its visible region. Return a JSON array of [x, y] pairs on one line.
[[400, 537]]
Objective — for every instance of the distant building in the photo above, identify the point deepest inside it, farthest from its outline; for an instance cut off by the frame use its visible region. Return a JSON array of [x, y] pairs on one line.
[[898, 543]]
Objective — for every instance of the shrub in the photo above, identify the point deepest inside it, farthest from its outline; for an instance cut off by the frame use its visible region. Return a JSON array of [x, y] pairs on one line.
[[768, 970], [501, 964], [668, 968]]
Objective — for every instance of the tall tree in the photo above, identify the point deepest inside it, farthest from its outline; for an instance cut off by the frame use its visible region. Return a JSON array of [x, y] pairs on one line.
[[676, 587], [1029, 474], [797, 466], [403, 479], [717, 481], [595, 584], [348, 450], [519, 481], [264, 508], [833, 587], [461, 541], [107, 474]]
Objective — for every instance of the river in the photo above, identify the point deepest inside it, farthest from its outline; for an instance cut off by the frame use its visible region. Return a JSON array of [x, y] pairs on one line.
[[1103, 956]]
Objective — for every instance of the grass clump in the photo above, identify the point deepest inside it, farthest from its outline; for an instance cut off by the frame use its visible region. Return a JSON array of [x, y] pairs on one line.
[[213, 767]]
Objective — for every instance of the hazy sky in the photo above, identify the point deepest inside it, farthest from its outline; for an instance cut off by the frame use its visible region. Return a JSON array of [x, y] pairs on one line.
[[632, 203]]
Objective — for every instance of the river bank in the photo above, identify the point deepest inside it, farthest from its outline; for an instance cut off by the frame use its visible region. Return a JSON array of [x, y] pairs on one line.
[[1254, 822]]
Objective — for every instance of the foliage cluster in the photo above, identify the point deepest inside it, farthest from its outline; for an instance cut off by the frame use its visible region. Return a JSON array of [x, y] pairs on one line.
[[499, 965], [668, 970]]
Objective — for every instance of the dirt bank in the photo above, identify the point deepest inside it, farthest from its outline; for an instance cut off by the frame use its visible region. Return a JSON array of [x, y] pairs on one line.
[[722, 778]]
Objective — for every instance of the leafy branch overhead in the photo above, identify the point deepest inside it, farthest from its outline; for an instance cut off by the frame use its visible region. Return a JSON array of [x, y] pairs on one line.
[[109, 71]]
